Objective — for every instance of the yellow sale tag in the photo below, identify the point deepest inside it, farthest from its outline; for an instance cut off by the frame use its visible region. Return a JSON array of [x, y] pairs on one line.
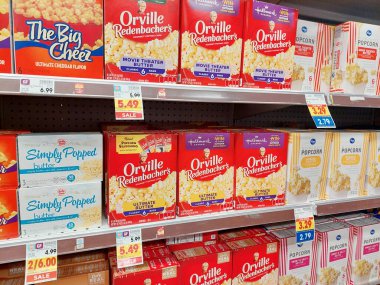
[[129, 248], [319, 110], [128, 102], [305, 224]]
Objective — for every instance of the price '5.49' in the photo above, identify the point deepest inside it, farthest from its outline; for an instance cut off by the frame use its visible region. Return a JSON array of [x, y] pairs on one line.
[[125, 103], [131, 250]]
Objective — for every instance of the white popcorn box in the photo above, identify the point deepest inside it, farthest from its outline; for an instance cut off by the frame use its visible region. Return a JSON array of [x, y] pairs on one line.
[[58, 209], [312, 57], [364, 260], [347, 165], [372, 181], [295, 258], [356, 59], [330, 254], [59, 159], [308, 154]]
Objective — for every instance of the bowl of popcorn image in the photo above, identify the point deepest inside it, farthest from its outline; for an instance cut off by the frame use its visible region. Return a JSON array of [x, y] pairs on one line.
[[299, 188], [339, 183], [355, 79], [329, 276], [362, 271], [298, 77]]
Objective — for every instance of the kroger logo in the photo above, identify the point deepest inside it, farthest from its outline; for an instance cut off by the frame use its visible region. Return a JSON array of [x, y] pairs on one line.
[[338, 237], [369, 33], [300, 244], [304, 29], [352, 140], [313, 141], [372, 232]]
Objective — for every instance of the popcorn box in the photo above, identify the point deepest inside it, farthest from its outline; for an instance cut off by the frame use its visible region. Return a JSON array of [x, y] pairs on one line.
[[280, 226], [237, 234], [155, 253], [356, 59], [260, 161], [6, 59], [55, 209], [141, 180], [206, 238], [60, 158], [8, 161], [8, 213], [255, 260], [204, 265], [347, 165], [206, 172], [372, 181], [295, 259], [269, 45], [142, 40], [58, 38], [331, 249], [364, 260], [313, 57], [162, 271], [350, 217], [308, 154], [211, 42]]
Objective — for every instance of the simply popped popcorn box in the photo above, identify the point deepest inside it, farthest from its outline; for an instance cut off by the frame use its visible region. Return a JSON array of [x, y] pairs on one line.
[[9, 225], [55, 209], [60, 38], [211, 42], [60, 158], [6, 59], [141, 177], [356, 59], [206, 172], [260, 162], [142, 40], [269, 45]]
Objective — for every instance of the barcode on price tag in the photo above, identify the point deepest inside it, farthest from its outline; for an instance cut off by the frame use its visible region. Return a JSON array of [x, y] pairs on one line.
[[305, 225], [129, 248], [36, 86], [128, 102], [319, 111], [41, 262]]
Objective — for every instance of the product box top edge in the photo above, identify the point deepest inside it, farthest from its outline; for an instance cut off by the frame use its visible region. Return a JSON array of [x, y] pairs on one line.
[[331, 226], [76, 185], [59, 134], [363, 222]]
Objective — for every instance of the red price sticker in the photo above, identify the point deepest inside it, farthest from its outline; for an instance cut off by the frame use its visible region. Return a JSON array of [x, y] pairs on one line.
[[129, 248], [128, 102], [41, 262]]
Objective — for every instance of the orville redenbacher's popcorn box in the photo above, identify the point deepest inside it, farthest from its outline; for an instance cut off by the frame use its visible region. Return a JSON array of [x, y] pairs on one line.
[[295, 259], [364, 260], [6, 59], [356, 59], [8, 160], [313, 57], [269, 44], [206, 172], [260, 162], [142, 40], [372, 181], [9, 224], [211, 42], [141, 177], [60, 38]]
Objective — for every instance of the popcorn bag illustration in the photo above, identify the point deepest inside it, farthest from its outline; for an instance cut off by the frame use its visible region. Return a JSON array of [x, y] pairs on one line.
[[58, 38], [269, 45], [206, 172], [8, 161], [142, 40], [260, 161], [6, 60], [356, 59], [211, 42], [141, 182], [8, 213]]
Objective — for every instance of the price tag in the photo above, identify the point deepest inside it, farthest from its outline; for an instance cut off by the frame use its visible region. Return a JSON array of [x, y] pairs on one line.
[[319, 111], [128, 102], [36, 86], [129, 248], [305, 225], [41, 262]]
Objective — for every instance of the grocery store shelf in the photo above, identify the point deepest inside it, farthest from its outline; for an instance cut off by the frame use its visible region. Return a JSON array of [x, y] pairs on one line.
[[352, 100]]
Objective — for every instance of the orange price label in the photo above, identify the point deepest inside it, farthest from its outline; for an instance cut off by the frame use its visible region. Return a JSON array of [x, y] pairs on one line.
[[128, 102], [129, 248], [319, 110], [305, 224]]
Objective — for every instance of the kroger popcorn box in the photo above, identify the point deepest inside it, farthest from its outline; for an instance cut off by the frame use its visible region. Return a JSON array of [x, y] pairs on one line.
[[364, 260], [331, 251], [60, 158], [142, 40], [55, 209], [350, 217], [356, 59], [141, 177], [211, 42], [255, 260], [347, 165], [8, 160], [269, 45], [8, 213], [295, 259], [204, 265], [313, 57], [206, 172], [260, 161], [372, 181], [60, 38], [6, 60], [308, 154]]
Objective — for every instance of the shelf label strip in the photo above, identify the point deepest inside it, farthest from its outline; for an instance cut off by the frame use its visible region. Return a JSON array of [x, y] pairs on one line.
[[319, 111], [128, 102], [129, 248]]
